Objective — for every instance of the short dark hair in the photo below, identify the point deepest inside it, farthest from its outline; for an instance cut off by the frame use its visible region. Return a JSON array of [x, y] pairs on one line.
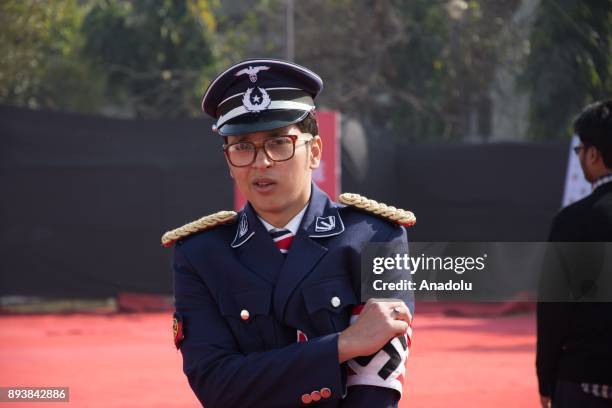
[[594, 128], [309, 124]]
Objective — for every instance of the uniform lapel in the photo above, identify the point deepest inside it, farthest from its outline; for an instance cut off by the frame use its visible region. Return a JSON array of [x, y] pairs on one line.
[[254, 247], [320, 220]]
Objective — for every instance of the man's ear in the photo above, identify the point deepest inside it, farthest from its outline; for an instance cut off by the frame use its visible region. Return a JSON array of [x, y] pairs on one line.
[[316, 152], [594, 155]]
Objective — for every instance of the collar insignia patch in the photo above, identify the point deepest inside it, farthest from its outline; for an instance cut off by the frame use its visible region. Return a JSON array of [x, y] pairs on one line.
[[325, 224], [243, 228]]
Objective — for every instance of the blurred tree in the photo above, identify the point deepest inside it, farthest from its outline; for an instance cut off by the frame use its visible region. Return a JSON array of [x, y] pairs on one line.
[[40, 66], [155, 54], [569, 65], [414, 70]]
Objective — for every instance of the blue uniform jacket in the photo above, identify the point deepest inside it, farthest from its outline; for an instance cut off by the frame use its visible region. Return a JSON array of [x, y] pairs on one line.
[[219, 273]]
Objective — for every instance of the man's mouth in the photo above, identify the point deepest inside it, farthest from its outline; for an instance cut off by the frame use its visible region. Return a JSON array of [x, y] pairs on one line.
[[263, 184]]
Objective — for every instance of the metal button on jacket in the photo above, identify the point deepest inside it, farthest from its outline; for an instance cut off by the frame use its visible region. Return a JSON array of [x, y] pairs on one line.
[[244, 314], [335, 301]]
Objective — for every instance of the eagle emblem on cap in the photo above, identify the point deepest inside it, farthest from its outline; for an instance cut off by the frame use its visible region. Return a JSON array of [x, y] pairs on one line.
[[252, 72], [256, 99]]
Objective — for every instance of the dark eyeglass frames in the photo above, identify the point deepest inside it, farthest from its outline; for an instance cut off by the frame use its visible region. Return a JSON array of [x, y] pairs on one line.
[[578, 148], [277, 149]]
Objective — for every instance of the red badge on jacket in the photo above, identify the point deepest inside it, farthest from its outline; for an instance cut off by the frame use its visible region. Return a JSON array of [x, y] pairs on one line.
[[177, 330]]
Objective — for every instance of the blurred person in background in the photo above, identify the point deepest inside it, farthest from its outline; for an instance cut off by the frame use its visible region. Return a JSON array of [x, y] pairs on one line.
[[574, 339]]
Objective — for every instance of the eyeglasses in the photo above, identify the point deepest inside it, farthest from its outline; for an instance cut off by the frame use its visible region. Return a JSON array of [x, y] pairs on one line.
[[277, 149], [577, 149]]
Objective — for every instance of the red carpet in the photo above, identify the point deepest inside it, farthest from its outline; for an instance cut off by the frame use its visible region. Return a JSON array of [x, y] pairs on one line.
[[128, 360]]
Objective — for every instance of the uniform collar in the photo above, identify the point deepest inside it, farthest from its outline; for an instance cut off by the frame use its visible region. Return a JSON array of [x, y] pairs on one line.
[[320, 219], [292, 225], [602, 180]]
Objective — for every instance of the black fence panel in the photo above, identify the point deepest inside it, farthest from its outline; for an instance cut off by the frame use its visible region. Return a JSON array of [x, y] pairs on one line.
[[86, 199]]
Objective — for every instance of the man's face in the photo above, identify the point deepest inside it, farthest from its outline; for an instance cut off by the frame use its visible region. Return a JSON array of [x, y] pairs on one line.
[[277, 190]]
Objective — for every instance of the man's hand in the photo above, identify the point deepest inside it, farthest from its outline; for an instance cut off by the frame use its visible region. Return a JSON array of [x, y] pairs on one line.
[[545, 401], [379, 321]]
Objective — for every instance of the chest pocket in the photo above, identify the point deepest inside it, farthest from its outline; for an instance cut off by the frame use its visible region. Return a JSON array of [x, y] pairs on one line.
[[329, 304], [248, 314]]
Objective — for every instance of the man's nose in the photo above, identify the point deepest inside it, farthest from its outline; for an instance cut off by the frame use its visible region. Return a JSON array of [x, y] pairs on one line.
[[261, 159]]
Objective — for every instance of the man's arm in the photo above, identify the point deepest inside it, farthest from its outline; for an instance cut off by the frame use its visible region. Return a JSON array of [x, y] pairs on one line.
[[375, 384], [377, 378], [552, 317], [552, 320]]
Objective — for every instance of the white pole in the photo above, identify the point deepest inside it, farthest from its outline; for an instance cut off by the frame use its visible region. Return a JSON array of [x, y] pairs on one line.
[[290, 31]]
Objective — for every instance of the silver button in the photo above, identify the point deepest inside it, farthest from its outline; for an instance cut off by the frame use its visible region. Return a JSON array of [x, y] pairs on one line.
[[244, 314], [335, 301]]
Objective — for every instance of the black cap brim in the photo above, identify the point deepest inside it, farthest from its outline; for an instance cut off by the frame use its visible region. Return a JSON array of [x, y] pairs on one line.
[[262, 121]]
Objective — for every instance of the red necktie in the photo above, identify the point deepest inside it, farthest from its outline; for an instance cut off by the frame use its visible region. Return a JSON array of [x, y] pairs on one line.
[[282, 238]]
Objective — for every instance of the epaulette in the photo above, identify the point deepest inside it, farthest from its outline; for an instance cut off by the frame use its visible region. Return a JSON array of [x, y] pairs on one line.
[[204, 223], [397, 215]]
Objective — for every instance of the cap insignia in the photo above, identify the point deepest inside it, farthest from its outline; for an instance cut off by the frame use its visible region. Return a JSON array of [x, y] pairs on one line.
[[256, 99], [252, 72]]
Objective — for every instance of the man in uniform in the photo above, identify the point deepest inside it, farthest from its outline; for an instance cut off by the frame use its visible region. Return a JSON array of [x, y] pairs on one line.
[[574, 345], [268, 310]]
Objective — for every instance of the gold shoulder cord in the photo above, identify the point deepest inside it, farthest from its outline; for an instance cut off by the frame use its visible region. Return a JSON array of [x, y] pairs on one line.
[[204, 223], [397, 215]]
